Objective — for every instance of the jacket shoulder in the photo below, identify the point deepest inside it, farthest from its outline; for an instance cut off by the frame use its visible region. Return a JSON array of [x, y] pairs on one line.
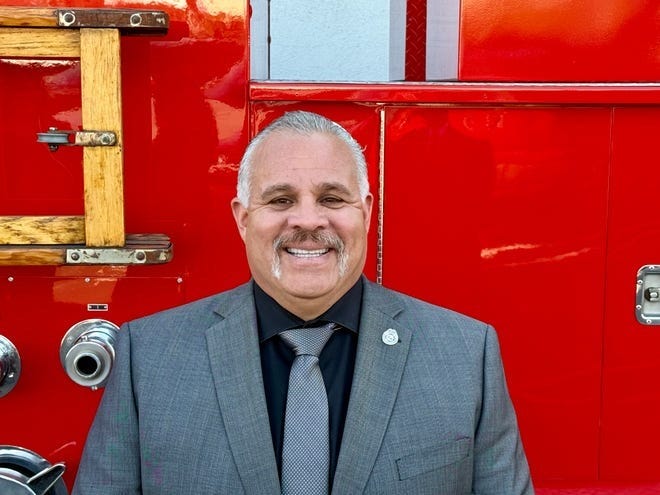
[[198, 314], [404, 306]]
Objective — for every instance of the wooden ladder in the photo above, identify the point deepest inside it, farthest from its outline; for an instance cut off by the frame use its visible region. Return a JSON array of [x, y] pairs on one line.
[[98, 237]]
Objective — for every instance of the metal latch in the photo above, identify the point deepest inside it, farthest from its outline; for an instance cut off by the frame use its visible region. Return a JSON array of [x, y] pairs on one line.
[[140, 249], [55, 138], [647, 305], [135, 20]]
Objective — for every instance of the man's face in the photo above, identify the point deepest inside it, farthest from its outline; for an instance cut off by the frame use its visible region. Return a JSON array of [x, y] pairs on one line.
[[305, 227]]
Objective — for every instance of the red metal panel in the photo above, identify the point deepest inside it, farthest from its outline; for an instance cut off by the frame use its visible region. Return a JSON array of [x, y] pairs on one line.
[[475, 93], [48, 412], [184, 137], [559, 40], [33, 97], [631, 400], [185, 128], [500, 213]]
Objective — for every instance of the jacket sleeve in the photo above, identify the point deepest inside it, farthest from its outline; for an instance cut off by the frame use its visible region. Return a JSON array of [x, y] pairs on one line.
[[111, 459], [500, 465]]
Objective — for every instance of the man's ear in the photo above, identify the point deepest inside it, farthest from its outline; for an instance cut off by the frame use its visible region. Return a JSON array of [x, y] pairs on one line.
[[367, 204], [240, 216]]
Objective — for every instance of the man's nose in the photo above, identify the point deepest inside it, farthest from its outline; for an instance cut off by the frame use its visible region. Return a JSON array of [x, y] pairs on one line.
[[308, 215]]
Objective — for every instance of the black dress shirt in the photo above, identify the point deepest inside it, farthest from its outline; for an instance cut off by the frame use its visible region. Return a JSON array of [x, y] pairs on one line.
[[336, 361]]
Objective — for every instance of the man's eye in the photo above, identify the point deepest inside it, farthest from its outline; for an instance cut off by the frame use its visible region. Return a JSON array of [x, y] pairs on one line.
[[281, 201], [332, 201]]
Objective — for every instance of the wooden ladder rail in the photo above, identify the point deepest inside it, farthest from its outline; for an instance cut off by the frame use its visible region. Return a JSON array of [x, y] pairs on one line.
[[98, 237]]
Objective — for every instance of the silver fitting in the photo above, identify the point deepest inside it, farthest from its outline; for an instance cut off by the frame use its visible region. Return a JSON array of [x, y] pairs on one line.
[[87, 352], [22, 472], [10, 366]]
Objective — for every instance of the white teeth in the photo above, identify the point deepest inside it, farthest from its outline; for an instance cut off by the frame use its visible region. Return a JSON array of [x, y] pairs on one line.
[[307, 253]]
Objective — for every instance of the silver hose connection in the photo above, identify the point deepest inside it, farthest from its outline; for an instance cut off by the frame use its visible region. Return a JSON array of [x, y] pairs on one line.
[[23, 472], [10, 366], [87, 352]]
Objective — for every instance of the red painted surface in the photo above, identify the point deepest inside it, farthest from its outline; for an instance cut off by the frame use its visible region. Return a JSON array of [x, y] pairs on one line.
[[559, 40], [530, 206], [631, 401], [185, 127], [49, 413], [468, 93], [500, 213]]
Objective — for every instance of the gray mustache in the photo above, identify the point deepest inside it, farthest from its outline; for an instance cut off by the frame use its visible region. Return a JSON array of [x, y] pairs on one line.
[[318, 236]]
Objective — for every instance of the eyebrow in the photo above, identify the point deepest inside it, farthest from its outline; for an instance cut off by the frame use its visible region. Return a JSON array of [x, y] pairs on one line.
[[276, 189], [335, 186]]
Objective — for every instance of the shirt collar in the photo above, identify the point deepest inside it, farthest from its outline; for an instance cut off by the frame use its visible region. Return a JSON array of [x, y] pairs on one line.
[[273, 318]]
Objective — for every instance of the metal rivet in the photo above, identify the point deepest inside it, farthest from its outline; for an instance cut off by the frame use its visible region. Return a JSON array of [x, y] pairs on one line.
[[390, 336], [179, 280], [10, 279], [75, 256], [68, 18], [140, 256], [648, 322], [87, 280], [639, 306], [135, 20]]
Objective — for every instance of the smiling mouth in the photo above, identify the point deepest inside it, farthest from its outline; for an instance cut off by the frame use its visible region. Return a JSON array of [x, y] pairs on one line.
[[307, 253]]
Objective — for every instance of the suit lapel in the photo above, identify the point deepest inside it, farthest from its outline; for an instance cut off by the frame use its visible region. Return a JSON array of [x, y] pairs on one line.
[[233, 348], [376, 379]]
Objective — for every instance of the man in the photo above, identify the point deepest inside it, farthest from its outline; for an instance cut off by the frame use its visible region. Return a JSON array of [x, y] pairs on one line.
[[413, 398]]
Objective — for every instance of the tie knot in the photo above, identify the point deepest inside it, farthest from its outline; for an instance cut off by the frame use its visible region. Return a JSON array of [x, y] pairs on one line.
[[308, 341]]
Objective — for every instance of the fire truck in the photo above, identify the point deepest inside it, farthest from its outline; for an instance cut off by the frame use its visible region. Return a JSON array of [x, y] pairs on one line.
[[513, 151]]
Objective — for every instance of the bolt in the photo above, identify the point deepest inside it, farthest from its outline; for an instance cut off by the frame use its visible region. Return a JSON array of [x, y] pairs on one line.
[[140, 256], [68, 18], [648, 322], [105, 139], [179, 280], [75, 256], [87, 280], [10, 279], [639, 306], [136, 20]]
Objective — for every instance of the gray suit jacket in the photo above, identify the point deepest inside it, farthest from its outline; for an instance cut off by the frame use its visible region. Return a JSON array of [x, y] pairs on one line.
[[184, 411]]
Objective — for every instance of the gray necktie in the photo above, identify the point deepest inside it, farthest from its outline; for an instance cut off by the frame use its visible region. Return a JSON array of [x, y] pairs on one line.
[[306, 444]]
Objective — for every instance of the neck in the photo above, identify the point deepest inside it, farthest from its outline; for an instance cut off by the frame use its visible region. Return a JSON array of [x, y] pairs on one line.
[[307, 309]]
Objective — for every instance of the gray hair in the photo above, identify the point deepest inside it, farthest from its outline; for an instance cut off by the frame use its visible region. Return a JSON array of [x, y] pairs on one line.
[[303, 123]]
